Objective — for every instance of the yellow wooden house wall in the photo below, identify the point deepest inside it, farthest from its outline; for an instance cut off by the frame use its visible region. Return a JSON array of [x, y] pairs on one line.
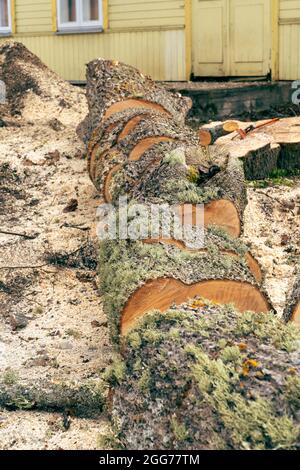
[[147, 34], [154, 36], [289, 40]]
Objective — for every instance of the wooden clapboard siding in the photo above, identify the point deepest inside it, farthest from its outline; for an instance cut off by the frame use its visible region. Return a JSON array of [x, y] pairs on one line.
[[289, 40], [33, 16], [133, 13], [160, 54], [147, 34]]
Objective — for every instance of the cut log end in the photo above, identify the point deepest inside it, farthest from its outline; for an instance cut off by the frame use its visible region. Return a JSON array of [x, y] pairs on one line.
[[161, 294], [220, 212], [107, 183], [205, 138], [130, 126], [295, 317], [230, 126], [209, 134], [224, 214], [134, 103], [146, 144]]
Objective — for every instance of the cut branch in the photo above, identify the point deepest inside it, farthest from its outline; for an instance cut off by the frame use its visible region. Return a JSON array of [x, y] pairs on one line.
[[84, 398]]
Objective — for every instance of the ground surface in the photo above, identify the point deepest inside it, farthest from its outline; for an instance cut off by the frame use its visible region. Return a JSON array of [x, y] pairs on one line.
[[51, 322], [213, 84]]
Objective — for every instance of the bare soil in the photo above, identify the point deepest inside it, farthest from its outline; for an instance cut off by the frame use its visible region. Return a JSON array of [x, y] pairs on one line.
[[51, 321]]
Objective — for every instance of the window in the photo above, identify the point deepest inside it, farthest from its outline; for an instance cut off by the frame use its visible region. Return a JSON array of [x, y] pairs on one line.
[[5, 16], [79, 15]]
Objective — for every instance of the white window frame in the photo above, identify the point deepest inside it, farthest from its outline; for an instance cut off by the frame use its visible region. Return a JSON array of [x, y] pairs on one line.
[[7, 29], [80, 25]]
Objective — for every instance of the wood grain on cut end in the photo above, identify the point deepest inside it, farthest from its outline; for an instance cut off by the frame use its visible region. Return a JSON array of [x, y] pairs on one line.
[[92, 162], [251, 261], [131, 124], [134, 103], [221, 212], [230, 126], [296, 314], [224, 214], [205, 138], [254, 267], [106, 186], [145, 144], [161, 294]]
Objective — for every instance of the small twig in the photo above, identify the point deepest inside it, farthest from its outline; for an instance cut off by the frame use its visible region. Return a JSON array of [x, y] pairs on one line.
[[25, 267], [18, 234], [276, 200], [78, 227]]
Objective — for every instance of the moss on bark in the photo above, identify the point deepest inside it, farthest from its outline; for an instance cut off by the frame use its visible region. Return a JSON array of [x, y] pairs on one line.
[[85, 398], [125, 265], [209, 378]]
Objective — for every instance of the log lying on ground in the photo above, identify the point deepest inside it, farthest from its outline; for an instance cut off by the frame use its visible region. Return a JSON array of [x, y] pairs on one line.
[[138, 276], [113, 87], [209, 133], [204, 377], [157, 160], [258, 154], [284, 133]]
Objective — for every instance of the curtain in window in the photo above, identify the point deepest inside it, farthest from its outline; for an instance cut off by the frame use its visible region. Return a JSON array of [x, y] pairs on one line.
[[68, 11], [4, 23], [90, 10]]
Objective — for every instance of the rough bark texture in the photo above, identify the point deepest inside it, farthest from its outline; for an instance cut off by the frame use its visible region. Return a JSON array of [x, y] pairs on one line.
[[110, 82], [204, 377]]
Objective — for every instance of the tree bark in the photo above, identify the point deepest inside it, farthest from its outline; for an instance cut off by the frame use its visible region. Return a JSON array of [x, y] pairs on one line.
[[113, 86], [204, 377]]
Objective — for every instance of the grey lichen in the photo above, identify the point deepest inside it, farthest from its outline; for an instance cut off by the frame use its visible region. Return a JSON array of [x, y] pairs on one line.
[[175, 157]]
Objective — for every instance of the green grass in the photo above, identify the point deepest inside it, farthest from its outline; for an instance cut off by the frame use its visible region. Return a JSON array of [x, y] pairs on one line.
[[278, 177]]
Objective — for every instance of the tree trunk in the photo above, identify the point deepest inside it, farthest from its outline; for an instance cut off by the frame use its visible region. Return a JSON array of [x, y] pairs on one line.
[[149, 155], [139, 276]]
